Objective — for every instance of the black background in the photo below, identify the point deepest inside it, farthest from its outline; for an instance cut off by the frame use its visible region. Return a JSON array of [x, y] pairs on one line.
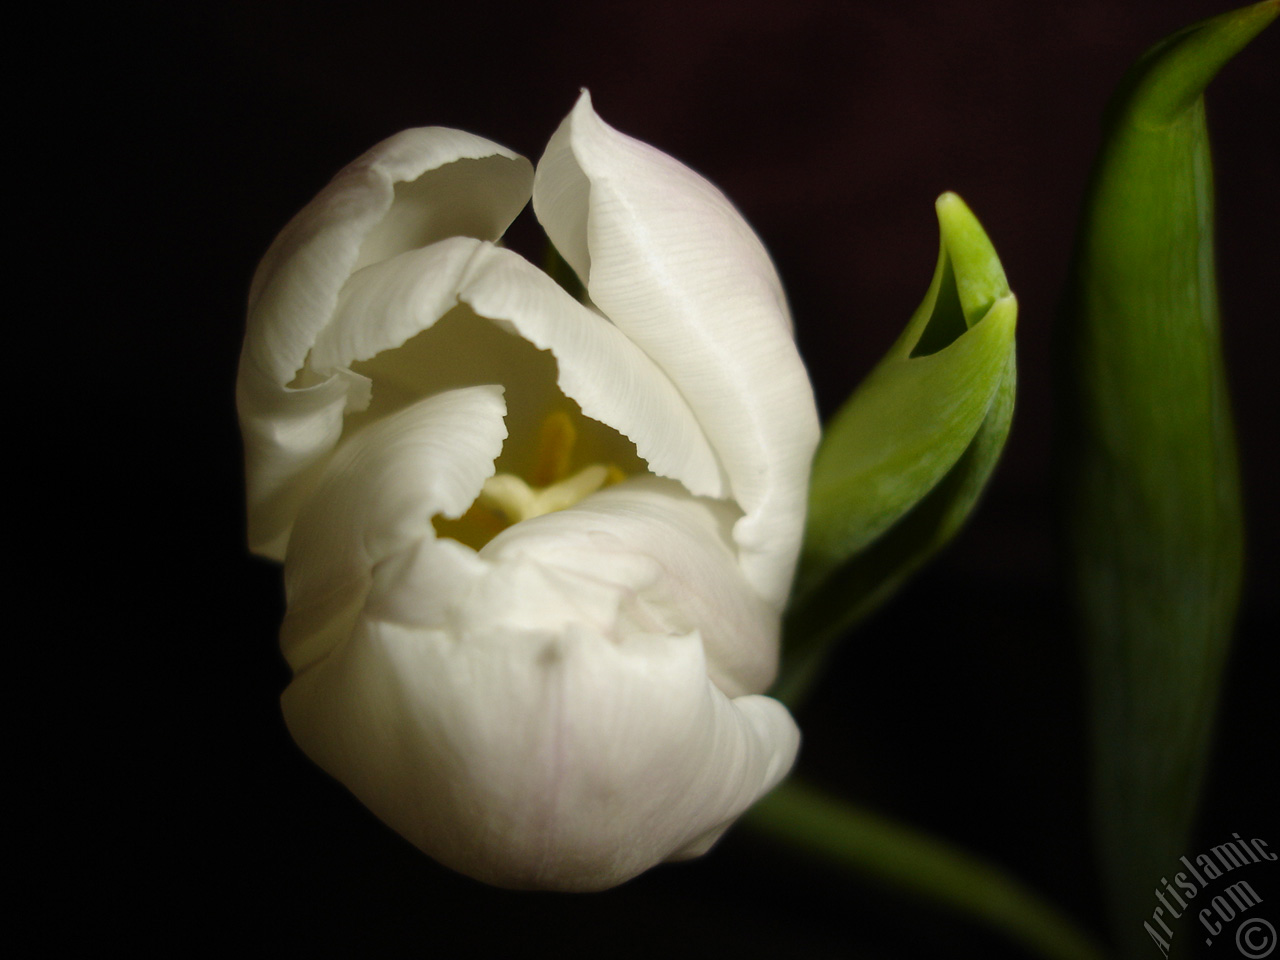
[[198, 130]]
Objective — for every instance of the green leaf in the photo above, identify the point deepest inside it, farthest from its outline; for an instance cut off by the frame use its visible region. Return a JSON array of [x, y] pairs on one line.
[[1153, 511], [891, 854], [903, 462]]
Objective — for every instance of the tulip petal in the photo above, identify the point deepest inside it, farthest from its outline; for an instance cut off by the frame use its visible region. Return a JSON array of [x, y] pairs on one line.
[[528, 730], [610, 378], [376, 500], [668, 259], [385, 304], [539, 698], [411, 190], [535, 760], [417, 187], [613, 380], [673, 554], [288, 434]]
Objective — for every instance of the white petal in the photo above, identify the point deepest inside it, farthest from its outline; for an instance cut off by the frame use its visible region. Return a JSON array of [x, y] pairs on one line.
[[375, 502], [668, 563], [669, 260], [529, 758], [417, 187], [611, 379], [386, 303], [288, 435], [539, 714]]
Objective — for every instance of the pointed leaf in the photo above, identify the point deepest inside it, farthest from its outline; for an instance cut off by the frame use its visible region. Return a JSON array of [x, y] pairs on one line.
[[912, 418], [903, 462], [1153, 510]]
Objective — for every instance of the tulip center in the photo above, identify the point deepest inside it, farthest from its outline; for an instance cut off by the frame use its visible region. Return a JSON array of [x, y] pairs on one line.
[[552, 485]]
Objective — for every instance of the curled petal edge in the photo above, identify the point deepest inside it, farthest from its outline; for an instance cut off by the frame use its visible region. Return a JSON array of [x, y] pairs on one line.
[[414, 188], [672, 263]]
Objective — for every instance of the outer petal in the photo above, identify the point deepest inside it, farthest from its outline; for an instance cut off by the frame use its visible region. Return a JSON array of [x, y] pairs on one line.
[[669, 260], [532, 719], [526, 759], [375, 502], [536, 714], [415, 188], [672, 556], [612, 380], [411, 190]]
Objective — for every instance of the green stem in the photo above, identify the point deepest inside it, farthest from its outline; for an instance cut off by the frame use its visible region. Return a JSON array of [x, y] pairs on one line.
[[894, 854]]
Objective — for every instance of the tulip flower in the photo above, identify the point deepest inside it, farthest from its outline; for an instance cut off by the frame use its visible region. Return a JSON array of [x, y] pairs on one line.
[[536, 549]]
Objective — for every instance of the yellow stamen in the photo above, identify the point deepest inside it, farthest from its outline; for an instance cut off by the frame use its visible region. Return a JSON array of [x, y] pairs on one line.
[[556, 441], [516, 500], [507, 498]]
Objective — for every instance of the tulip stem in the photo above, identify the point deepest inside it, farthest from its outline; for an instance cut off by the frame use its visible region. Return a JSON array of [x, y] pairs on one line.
[[890, 853]]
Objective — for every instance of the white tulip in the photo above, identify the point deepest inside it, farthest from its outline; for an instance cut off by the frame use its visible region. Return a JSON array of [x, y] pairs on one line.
[[535, 551]]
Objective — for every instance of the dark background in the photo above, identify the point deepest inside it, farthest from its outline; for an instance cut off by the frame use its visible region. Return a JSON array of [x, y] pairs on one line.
[[201, 129]]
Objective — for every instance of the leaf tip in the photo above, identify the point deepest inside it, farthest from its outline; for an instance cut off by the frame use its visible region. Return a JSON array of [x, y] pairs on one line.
[[1170, 77], [979, 275], [953, 213]]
